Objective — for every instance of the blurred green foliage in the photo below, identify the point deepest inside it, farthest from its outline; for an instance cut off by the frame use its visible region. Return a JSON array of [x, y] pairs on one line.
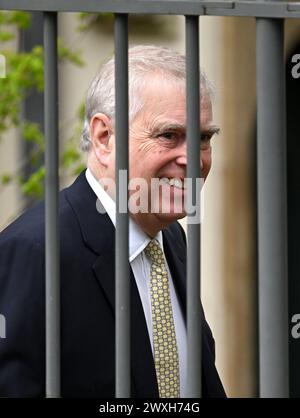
[[25, 74]]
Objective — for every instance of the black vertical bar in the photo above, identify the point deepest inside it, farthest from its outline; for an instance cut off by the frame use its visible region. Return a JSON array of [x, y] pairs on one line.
[[51, 208], [193, 227], [122, 251], [272, 208]]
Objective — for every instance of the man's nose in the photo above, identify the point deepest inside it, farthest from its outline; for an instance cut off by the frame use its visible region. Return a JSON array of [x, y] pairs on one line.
[[182, 160]]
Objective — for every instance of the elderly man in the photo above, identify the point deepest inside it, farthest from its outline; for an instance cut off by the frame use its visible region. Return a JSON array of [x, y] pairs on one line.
[[157, 150]]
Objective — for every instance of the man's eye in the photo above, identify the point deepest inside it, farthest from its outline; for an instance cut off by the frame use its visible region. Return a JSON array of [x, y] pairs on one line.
[[169, 135], [205, 138]]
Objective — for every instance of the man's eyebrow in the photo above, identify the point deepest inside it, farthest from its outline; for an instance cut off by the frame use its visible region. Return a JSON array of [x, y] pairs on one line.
[[171, 126], [175, 126], [210, 130]]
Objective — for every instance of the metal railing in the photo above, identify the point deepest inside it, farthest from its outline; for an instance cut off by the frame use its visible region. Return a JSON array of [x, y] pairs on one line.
[[271, 135]]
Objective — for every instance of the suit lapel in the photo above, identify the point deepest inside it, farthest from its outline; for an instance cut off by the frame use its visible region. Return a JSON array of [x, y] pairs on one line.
[[176, 256]]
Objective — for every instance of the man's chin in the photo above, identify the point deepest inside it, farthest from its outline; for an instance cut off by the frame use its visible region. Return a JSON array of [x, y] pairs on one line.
[[168, 218]]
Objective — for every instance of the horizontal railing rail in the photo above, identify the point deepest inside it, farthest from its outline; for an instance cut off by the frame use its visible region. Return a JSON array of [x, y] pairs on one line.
[[271, 9]]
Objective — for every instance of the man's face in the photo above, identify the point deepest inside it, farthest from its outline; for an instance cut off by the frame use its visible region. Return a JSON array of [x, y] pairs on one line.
[[158, 148]]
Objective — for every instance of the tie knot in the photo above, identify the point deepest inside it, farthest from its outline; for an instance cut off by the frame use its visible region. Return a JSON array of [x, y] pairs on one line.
[[154, 252]]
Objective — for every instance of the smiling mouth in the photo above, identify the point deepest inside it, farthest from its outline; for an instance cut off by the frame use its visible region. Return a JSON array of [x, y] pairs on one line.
[[175, 182]]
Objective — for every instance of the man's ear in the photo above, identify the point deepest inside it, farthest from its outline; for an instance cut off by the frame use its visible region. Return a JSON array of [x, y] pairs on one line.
[[100, 131]]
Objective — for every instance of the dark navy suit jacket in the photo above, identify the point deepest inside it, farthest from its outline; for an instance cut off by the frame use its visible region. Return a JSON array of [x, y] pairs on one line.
[[87, 304]]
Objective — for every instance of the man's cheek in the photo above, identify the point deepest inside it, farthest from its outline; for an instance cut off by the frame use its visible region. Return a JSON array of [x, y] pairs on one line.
[[205, 166]]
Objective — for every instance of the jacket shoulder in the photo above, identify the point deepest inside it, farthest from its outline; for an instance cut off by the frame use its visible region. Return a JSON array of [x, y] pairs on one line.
[[29, 227]]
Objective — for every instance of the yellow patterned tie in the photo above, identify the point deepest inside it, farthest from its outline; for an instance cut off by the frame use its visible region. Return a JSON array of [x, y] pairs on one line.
[[164, 336]]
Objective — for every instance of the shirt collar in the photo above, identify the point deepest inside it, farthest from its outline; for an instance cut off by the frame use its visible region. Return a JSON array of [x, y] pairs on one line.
[[138, 239]]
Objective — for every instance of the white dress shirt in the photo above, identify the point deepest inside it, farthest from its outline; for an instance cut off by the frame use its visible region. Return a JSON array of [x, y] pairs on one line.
[[140, 264]]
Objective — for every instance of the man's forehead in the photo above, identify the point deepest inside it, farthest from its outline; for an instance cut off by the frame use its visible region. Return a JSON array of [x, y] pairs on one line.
[[169, 95], [159, 86], [164, 104], [172, 114]]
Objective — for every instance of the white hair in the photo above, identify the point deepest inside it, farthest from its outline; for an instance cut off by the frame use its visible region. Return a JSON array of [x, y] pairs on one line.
[[143, 61]]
